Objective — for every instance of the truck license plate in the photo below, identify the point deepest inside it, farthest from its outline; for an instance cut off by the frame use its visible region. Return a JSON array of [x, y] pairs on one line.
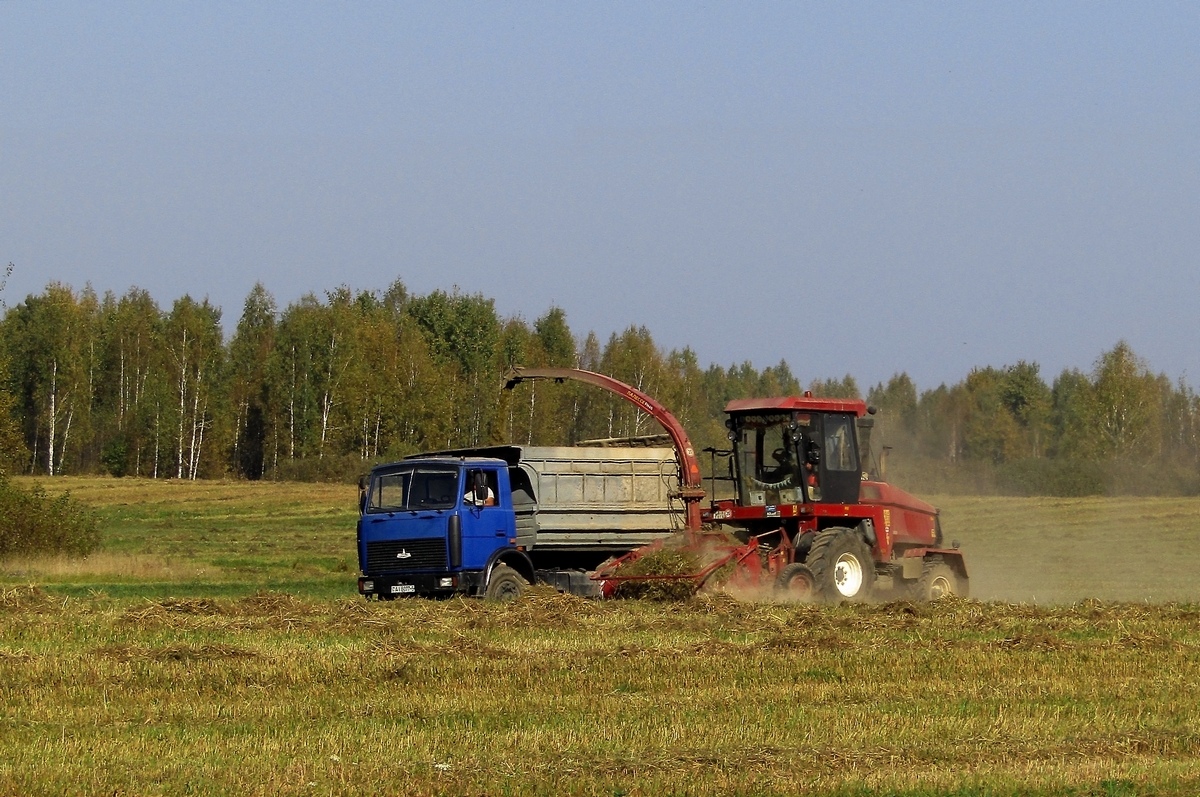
[[402, 589]]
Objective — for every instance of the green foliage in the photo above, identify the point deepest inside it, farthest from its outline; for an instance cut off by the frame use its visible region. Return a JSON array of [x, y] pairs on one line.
[[116, 457], [49, 342], [119, 386], [1057, 477], [1124, 407], [249, 393], [846, 387], [33, 522], [11, 444]]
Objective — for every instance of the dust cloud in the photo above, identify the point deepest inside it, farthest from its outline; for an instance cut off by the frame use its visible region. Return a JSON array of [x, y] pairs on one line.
[[1052, 551]]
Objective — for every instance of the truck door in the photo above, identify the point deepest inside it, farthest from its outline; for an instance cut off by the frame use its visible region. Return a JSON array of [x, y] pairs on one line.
[[486, 517]]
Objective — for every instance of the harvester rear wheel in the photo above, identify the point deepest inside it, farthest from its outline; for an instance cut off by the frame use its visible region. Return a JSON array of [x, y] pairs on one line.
[[505, 584], [796, 582], [938, 580], [842, 567]]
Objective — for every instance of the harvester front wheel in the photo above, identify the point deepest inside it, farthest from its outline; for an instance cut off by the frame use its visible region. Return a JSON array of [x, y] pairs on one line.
[[938, 580], [505, 584], [796, 582], [842, 567]]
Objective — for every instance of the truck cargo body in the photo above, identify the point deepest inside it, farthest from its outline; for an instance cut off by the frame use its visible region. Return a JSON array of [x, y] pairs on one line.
[[442, 523]]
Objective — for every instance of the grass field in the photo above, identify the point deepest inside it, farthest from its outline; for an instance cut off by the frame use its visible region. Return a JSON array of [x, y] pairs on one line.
[[215, 646]]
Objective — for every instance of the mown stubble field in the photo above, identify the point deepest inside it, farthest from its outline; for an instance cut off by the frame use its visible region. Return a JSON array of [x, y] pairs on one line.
[[216, 647]]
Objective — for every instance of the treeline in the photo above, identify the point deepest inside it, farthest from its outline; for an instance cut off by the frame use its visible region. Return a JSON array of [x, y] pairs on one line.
[[1117, 429], [32, 522], [329, 385]]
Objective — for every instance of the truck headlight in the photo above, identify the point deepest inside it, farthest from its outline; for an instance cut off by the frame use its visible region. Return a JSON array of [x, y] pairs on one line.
[[446, 582], [366, 586]]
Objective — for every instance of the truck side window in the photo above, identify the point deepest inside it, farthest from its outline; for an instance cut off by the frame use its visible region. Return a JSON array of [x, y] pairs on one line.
[[484, 497]]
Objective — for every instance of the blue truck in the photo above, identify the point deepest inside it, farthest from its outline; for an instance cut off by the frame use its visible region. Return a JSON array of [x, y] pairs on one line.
[[491, 521]]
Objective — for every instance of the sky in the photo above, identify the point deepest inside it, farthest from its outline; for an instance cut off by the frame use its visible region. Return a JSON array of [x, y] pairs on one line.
[[855, 188]]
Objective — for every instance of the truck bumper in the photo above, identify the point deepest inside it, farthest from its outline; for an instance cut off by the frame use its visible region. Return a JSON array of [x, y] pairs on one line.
[[411, 585]]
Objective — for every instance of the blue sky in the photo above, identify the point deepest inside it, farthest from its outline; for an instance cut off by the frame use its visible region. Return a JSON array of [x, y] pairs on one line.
[[856, 188]]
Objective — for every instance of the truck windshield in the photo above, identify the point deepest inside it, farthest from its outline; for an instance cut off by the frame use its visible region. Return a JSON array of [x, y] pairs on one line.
[[414, 488]]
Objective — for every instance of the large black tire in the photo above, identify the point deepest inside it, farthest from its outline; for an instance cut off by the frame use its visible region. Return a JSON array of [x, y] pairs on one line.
[[842, 567], [796, 583], [938, 580], [505, 584]]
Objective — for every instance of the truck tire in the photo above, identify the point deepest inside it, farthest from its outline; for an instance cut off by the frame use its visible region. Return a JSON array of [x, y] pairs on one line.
[[938, 580], [796, 583], [842, 567], [505, 584]]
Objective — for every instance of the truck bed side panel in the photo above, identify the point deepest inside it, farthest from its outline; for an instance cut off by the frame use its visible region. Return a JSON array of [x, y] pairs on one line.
[[601, 496]]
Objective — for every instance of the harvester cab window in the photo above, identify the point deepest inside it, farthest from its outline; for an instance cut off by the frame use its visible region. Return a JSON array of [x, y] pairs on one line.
[[766, 460], [839, 451]]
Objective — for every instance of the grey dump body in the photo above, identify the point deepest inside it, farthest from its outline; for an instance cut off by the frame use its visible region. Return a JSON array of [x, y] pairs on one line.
[[577, 497]]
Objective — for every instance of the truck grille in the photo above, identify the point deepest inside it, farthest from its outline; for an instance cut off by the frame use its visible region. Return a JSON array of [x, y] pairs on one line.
[[428, 554]]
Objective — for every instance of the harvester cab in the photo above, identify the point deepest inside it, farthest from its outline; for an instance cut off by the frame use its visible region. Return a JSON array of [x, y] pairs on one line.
[[794, 450], [803, 479]]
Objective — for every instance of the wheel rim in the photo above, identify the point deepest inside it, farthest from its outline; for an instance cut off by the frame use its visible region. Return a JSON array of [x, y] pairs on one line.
[[940, 587], [848, 575], [507, 591], [800, 585]]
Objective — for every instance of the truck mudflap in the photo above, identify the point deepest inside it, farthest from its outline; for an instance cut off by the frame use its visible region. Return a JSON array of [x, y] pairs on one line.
[[409, 585]]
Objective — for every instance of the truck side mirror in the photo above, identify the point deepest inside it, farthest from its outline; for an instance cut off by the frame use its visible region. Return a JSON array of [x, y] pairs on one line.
[[480, 493]]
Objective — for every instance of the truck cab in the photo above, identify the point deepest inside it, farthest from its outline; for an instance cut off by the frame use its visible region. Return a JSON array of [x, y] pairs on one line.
[[431, 525]]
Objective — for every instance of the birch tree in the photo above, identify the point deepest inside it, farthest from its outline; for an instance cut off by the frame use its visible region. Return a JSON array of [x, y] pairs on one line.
[[194, 357], [46, 337]]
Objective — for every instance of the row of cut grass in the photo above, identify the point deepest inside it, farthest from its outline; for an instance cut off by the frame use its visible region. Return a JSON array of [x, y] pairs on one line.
[[276, 694]]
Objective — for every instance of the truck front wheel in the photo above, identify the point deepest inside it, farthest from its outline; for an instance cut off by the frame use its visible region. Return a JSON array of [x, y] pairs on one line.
[[505, 584]]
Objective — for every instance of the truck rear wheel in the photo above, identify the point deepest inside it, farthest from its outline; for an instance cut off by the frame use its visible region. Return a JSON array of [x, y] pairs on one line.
[[938, 580], [842, 567], [796, 583], [505, 584]]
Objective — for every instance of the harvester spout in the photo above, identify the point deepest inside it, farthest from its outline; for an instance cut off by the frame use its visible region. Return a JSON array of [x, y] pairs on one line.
[[690, 488]]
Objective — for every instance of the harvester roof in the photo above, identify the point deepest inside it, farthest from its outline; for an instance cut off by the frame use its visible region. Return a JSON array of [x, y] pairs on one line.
[[798, 403]]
